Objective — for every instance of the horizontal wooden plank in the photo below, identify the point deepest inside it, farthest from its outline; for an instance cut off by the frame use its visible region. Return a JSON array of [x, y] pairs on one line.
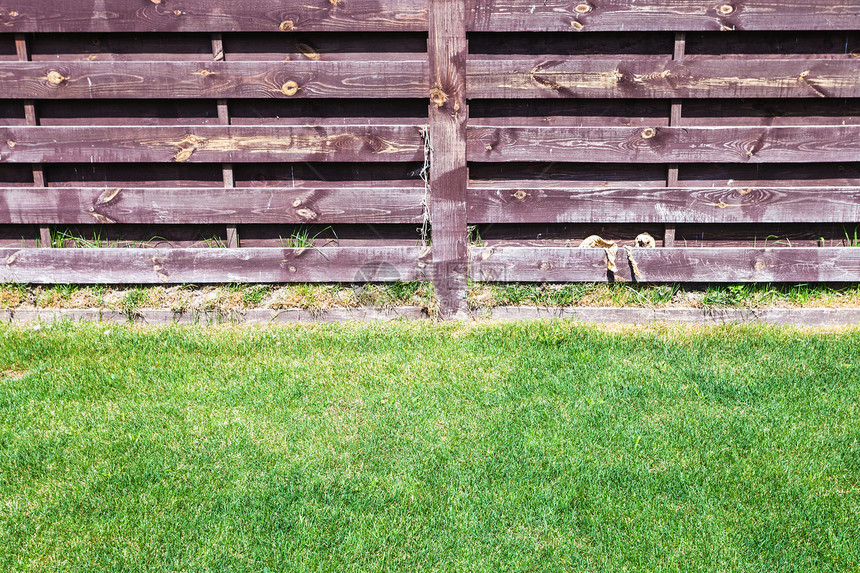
[[661, 77], [663, 15], [213, 16], [264, 205], [214, 265], [686, 234], [665, 144], [295, 79], [559, 264], [664, 205], [225, 144]]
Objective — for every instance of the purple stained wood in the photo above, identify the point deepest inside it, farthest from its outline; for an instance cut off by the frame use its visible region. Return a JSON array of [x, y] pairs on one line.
[[211, 79], [214, 265], [678, 264], [521, 204], [448, 115], [222, 144], [213, 16], [663, 15], [661, 77], [665, 144], [561, 145], [114, 205]]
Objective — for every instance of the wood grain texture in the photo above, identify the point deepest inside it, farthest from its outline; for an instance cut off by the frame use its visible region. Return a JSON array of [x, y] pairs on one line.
[[661, 77], [261, 205], [553, 264], [665, 205], [214, 265], [212, 16], [663, 15], [665, 144], [214, 79], [220, 144], [447, 50]]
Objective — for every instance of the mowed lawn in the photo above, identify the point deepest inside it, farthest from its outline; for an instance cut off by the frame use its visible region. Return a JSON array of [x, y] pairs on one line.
[[429, 447]]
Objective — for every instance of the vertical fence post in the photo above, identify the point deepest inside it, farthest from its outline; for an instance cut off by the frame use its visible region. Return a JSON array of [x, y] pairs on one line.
[[448, 174]]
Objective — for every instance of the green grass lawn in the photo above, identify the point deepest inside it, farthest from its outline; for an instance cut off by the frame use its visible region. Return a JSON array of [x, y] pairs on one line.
[[432, 447]]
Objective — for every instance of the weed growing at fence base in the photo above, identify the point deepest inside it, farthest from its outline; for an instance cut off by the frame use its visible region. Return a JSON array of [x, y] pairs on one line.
[[421, 446]]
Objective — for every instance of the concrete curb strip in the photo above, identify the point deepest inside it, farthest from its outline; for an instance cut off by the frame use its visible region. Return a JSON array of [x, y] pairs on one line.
[[628, 315], [252, 316]]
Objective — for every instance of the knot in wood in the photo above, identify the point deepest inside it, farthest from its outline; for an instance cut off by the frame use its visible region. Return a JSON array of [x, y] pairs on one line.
[[760, 265], [13, 14], [178, 12], [583, 8], [648, 133], [286, 26], [854, 53], [187, 147], [576, 25], [520, 195], [56, 78], [306, 214], [11, 144], [438, 97], [156, 1], [290, 88], [726, 9], [206, 73]]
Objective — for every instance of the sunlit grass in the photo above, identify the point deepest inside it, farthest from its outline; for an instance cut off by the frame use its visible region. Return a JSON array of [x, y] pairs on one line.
[[422, 446]]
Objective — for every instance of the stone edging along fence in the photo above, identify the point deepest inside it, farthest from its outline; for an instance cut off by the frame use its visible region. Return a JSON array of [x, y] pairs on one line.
[[812, 317], [198, 141]]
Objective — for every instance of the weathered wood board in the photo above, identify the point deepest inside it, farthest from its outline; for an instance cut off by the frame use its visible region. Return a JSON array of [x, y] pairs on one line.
[[213, 265], [672, 264], [520, 204], [664, 15], [209, 143], [259, 205], [212, 16], [665, 144]]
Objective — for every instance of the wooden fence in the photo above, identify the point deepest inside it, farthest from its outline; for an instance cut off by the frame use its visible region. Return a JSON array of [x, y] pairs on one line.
[[194, 141]]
